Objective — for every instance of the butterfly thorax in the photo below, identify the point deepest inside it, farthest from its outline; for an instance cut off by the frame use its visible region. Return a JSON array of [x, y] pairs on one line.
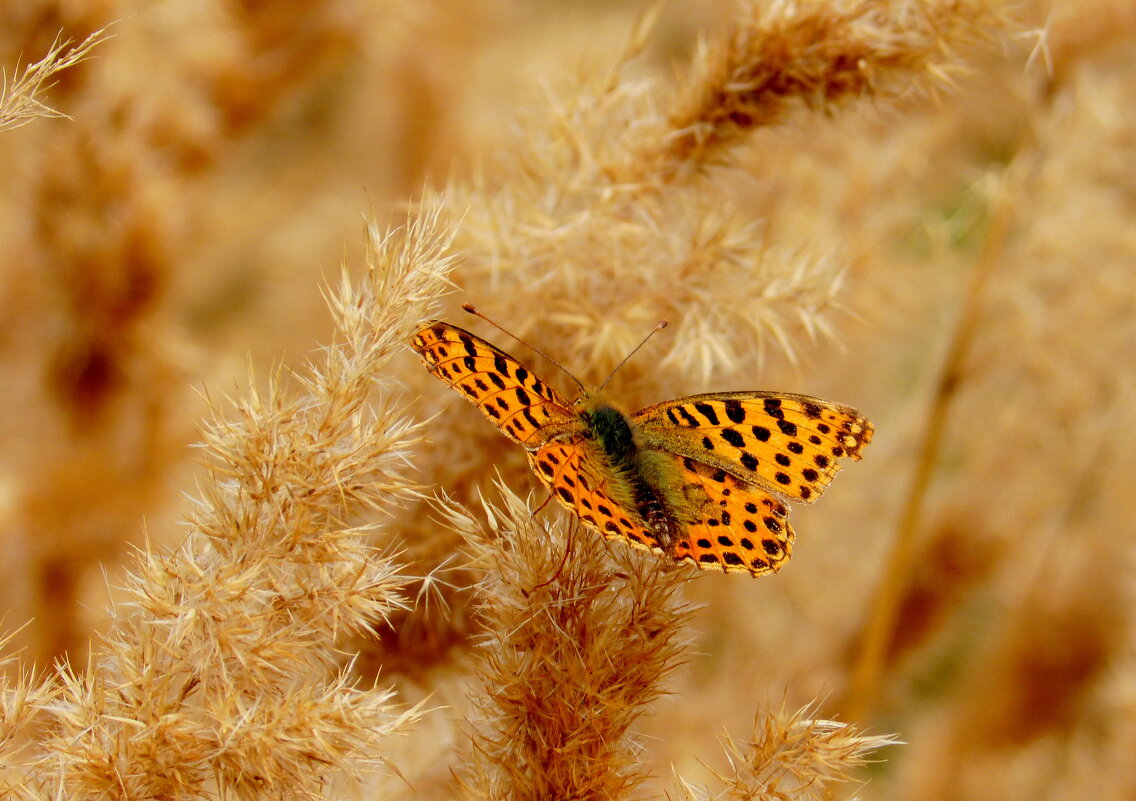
[[632, 467]]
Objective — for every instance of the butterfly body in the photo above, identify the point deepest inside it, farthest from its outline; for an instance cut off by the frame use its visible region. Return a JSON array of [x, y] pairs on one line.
[[639, 479], [701, 478]]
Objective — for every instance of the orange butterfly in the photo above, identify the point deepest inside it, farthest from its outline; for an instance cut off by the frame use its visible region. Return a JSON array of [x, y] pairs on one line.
[[701, 478]]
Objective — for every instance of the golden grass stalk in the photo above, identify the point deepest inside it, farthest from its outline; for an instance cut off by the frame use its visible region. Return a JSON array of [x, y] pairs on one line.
[[20, 101], [22, 696], [576, 646], [792, 756], [220, 666], [811, 56]]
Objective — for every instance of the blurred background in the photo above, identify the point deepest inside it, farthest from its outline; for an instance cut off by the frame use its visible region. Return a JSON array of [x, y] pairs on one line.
[[961, 267]]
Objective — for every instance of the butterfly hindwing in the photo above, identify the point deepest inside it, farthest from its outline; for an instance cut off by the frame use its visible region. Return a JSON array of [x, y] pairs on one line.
[[730, 525], [563, 465], [789, 444], [525, 408]]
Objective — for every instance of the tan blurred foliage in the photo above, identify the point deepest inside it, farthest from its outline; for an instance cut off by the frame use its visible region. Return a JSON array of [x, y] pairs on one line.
[[920, 209]]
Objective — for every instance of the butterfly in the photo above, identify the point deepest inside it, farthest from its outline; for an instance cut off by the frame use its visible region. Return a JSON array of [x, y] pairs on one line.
[[702, 479]]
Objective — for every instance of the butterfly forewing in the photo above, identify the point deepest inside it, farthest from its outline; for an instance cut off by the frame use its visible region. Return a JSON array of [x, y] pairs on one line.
[[789, 444], [525, 408]]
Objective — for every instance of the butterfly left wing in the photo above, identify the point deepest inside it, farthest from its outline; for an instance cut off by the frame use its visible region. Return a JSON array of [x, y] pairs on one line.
[[526, 409], [573, 480], [790, 445]]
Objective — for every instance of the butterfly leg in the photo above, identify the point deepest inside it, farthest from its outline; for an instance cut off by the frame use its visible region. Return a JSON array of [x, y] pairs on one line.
[[563, 561], [543, 504]]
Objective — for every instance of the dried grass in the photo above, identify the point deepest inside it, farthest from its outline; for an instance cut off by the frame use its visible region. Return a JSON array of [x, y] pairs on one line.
[[917, 208]]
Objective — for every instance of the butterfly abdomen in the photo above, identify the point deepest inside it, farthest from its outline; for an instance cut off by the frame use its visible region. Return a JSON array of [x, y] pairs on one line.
[[610, 429]]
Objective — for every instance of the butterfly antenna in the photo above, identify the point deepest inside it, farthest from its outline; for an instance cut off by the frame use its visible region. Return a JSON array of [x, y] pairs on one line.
[[658, 327], [469, 307]]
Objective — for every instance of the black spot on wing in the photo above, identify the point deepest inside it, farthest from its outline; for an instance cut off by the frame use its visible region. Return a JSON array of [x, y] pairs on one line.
[[733, 437], [707, 411], [687, 418]]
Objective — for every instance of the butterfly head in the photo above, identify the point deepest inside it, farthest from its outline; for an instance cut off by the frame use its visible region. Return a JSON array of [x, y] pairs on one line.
[[606, 424]]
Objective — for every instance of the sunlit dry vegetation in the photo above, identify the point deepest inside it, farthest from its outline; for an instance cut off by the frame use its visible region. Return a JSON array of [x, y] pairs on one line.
[[253, 550]]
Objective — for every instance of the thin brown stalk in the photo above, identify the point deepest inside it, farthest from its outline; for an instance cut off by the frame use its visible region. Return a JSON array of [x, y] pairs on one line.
[[869, 667]]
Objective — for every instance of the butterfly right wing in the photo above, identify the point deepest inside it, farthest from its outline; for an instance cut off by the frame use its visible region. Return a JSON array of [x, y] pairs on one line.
[[791, 445], [728, 524], [526, 409]]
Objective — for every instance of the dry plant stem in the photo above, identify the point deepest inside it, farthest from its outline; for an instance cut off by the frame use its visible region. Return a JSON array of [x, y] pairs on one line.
[[575, 649], [220, 672], [868, 670]]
